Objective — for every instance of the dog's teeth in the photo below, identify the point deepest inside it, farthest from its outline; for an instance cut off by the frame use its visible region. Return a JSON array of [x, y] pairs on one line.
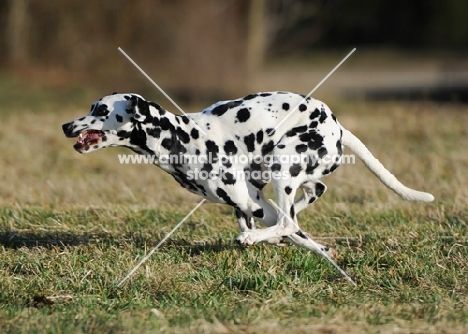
[[81, 135]]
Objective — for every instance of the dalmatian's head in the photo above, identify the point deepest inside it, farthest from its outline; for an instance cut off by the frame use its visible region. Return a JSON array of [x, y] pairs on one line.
[[111, 122]]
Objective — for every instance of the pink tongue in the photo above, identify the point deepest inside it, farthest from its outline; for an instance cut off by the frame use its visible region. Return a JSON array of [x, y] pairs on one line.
[[92, 135], [88, 136]]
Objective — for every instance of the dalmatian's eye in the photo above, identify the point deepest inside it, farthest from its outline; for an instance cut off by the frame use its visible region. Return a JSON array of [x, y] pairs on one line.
[[101, 110]]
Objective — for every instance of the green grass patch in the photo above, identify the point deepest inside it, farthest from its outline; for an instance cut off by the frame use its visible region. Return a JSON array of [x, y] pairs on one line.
[[59, 271]]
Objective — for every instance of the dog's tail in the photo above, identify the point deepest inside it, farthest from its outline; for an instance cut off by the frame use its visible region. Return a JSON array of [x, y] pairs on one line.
[[381, 172]]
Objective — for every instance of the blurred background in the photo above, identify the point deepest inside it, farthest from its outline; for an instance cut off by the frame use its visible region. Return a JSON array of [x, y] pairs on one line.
[[201, 51]]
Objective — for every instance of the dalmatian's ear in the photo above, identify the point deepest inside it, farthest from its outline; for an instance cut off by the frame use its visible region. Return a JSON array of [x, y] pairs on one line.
[[139, 108]]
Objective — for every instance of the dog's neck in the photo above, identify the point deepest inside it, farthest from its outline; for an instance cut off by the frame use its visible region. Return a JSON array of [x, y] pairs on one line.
[[160, 134]]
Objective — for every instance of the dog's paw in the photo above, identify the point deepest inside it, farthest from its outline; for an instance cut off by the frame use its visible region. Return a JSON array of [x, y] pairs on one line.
[[278, 241], [245, 239]]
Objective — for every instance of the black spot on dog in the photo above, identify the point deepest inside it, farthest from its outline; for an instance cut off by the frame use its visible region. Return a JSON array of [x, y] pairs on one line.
[[296, 130], [314, 114], [154, 132], [230, 147], [197, 151], [333, 117], [281, 146], [228, 178], [185, 119], [270, 132], [333, 167], [222, 194], [285, 106], [302, 107], [287, 190], [194, 133], [268, 147], [295, 169], [259, 137], [305, 137], [316, 140], [313, 124], [221, 109], [257, 183], [311, 165], [165, 123], [301, 234], [207, 167], [226, 162], [182, 135], [339, 147], [276, 167], [119, 118], [167, 143], [191, 185], [123, 134], [265, 94], [138, 138], [156, 122], [312, 199], [250, 97], [319, 189], [177, 148], [213, 149], [249, 141], [322, 151], [258, 213], [292, 212], [202, 189], [243, 115], [301, 148], [323, 116], [255, 166]]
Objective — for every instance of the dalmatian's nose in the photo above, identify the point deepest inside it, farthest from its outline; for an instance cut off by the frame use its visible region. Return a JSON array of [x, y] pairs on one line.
[[67, 128]]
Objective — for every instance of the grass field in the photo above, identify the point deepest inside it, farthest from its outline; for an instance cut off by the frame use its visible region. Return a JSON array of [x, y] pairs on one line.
[[72, 226]]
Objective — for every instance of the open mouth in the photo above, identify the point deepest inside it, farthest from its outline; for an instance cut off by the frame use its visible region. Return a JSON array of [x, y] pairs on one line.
[[88, 138]]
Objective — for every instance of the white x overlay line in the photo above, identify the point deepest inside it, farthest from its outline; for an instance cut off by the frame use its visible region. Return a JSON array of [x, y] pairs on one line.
[[161, 90], [324, 254], [313, 90], [159, 244]]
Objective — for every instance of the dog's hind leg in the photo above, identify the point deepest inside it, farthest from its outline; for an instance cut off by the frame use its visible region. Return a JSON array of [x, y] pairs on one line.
[[278, 225], [311, 191]]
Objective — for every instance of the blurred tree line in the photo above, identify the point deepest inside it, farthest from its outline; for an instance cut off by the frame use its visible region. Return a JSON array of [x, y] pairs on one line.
[[206, 45]]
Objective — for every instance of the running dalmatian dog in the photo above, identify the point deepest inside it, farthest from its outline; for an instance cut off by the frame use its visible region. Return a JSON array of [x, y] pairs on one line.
[[245, 126]]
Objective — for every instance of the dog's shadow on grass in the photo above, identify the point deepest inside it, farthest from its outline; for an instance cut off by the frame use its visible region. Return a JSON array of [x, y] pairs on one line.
[[18, 239]]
